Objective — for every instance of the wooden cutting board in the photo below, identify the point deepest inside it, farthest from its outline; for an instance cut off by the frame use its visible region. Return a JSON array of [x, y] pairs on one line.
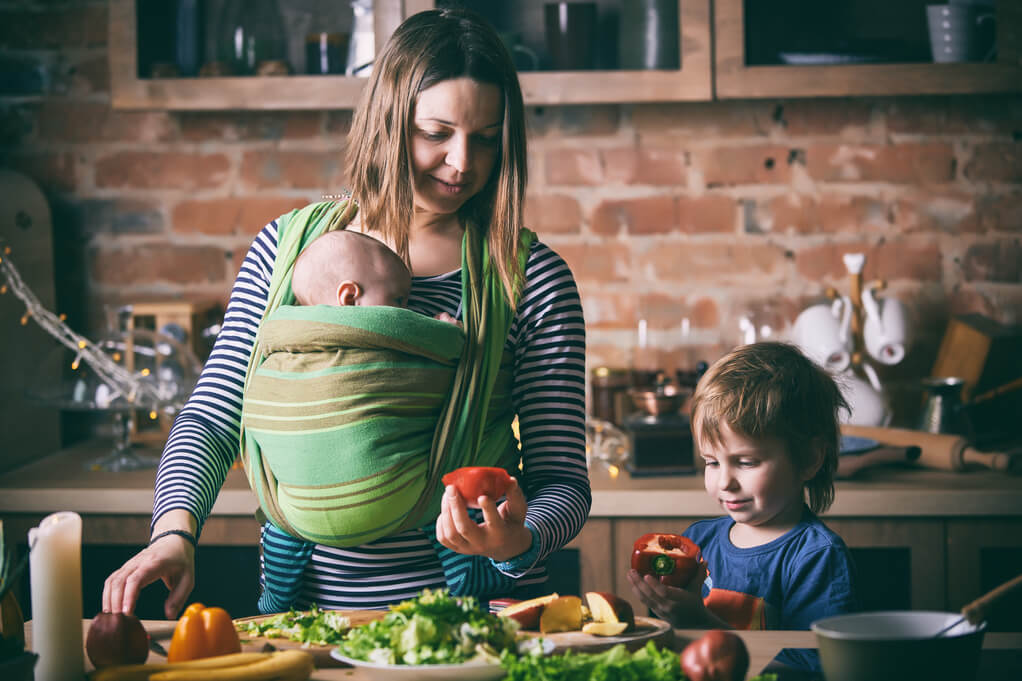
[[321, 654], [646, 629]]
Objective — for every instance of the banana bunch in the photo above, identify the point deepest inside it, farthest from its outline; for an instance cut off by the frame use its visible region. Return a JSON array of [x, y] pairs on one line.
[[283, 665]]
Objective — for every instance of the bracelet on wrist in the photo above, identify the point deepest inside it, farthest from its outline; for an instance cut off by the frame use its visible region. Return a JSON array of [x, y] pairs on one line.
[[189, 537]]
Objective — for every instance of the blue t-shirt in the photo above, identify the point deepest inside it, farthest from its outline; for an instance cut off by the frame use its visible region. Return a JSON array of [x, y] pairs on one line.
[[788, 583]]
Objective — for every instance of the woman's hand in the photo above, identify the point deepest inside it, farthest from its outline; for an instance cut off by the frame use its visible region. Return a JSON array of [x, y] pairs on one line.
[[171, 559], [501, 536], [681, 607]]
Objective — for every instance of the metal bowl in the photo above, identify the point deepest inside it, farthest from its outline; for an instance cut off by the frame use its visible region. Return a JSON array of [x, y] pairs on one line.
[[898, 644], [663, 399]]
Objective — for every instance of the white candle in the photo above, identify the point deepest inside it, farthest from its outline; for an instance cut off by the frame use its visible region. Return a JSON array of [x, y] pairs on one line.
[[55, 561]]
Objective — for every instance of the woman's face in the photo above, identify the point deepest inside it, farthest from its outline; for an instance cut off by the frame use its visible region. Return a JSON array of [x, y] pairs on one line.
[[456, 134]]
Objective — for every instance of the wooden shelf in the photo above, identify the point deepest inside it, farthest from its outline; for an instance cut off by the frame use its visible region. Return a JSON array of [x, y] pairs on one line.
[[692, 82], [734, 79], [712, 57]]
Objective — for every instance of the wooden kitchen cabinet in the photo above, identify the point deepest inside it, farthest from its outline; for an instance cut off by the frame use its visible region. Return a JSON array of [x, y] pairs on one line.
[[764, 49], [691, 82], [722, 46], [129, 91], [983, 553]]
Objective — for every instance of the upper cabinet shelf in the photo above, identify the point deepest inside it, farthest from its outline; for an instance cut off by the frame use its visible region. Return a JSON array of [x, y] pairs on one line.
[[808, 48], [692, 81], [725, 49]]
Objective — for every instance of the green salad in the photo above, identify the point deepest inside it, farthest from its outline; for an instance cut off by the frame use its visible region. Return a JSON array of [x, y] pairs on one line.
[[433, 628], [616, 664], [315, 626]]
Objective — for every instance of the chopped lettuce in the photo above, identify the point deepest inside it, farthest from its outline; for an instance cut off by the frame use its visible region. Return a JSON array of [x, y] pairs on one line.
[[616, 664], [313, 627], [433, 628]]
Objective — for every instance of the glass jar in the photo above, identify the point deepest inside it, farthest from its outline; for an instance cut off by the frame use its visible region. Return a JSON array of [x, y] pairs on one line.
[[251, 37]]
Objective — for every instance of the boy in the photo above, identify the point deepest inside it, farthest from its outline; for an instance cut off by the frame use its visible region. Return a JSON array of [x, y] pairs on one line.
[[765, 421]]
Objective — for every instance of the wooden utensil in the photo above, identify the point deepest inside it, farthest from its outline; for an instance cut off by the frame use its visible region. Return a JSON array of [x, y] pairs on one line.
[[977, 610], [850, 464], [944, 452]]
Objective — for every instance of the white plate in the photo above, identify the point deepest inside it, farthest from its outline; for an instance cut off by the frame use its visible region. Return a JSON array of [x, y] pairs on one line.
[[466, 671]]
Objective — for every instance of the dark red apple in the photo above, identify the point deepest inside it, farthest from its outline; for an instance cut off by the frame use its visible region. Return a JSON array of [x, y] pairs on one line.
[[116, 638]]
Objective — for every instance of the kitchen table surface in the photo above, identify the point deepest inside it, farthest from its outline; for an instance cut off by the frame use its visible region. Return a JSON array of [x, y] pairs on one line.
[[763, 646], [63, 481]]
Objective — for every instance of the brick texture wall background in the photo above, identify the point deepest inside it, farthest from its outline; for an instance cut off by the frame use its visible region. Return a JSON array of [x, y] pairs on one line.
[[689, 216]]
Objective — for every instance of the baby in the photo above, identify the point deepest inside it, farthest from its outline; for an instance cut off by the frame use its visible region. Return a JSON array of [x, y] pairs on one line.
[[765, 421], [350, 268], [339, 268]]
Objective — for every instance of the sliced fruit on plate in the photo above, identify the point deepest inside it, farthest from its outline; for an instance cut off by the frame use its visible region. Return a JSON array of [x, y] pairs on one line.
[[604, 628], [561, 614], [527, 613], [611, 609]]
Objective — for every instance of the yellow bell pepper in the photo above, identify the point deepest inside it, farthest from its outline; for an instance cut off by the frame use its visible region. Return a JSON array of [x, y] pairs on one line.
[[203, 632]]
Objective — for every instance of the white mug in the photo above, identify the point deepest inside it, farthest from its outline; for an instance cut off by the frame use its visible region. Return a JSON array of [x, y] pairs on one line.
[[867, 406], [885, 330], [820, 334]]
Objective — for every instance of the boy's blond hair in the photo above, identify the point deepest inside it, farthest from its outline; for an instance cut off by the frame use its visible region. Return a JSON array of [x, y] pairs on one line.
[[771, 389]]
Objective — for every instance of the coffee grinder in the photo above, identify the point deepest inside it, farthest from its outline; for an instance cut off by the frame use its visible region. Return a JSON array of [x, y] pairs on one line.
[[660, 436]]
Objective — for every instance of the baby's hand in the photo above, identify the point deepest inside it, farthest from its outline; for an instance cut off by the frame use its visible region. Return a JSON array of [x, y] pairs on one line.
[[444, 317], [683, 608]]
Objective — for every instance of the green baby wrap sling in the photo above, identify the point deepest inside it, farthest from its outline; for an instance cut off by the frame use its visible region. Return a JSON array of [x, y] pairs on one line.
[[351, 415]]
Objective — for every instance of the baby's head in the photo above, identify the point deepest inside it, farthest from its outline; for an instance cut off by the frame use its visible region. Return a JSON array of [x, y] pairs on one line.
[[349, 268], [772, 392]]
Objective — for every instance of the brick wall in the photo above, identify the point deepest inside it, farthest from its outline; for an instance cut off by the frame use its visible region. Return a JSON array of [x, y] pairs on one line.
[[702, 212]]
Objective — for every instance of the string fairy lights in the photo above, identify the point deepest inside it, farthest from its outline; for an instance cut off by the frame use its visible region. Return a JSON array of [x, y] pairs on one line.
[[119, 380]]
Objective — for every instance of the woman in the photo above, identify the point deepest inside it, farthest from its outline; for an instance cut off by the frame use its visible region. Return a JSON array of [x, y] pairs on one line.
[[438, 141]]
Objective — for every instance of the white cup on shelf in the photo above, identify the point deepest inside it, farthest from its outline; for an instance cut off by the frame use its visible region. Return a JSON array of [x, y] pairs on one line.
[[885, 329], [822, 333]]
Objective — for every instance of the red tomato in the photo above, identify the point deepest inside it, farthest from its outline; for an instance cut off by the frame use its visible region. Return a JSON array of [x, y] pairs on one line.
[[473, 482], [715, 656], [671, 557]]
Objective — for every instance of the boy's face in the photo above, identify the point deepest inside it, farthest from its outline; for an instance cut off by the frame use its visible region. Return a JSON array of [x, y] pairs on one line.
[[754, 481]]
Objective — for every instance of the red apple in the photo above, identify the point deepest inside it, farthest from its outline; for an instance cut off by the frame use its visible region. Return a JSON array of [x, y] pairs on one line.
[[608, 607], [561, 614], [604, 628], [527, 613], [716, 656], [116, 638]]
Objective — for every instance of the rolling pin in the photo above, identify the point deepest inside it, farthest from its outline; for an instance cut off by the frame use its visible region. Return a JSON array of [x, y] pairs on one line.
[[850, 464], [945, 452]]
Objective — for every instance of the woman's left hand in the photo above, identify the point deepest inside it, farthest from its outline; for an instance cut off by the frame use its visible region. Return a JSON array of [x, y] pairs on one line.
[[501, 536]]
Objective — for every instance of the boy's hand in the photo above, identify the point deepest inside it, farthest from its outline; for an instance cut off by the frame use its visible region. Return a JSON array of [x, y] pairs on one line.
[[683, 608]]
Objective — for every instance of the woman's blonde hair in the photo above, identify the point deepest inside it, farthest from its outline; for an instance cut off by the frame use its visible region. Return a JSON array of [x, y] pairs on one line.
[[771, 389], [427, 48]]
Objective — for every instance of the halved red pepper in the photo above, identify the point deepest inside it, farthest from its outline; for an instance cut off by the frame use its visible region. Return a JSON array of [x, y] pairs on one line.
[[670, 557], [203, 632], [473, 482]]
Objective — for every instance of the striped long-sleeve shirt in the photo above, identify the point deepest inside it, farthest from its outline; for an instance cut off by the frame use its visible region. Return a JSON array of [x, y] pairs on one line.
[[547, 338]]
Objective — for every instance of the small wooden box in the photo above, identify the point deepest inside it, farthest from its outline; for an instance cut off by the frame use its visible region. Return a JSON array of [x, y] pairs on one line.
[[980, 350], [191, 317]]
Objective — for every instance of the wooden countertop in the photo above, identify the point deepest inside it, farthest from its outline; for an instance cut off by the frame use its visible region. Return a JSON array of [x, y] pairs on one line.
[[763, 646], [62, 481]]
